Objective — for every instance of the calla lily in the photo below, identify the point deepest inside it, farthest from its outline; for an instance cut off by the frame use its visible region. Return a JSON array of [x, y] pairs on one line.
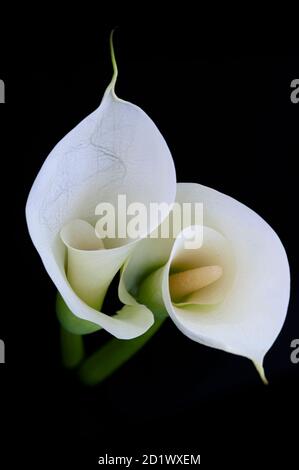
[[232, 293], [117, 149]]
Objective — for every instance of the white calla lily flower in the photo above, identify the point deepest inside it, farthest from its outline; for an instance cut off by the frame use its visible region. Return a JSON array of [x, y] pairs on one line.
[[232, 293], [115, 150]]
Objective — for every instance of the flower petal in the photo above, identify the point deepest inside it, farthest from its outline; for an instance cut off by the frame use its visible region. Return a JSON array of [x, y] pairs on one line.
[[244, 310], [250, 317], [115, 150], [143, 271], [90, 267]]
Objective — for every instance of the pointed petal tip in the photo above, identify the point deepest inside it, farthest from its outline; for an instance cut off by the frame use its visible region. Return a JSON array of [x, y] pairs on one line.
[[111, 86], [260, 368]]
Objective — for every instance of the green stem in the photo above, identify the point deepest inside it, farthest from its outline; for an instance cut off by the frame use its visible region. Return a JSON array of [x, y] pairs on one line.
[[112, 355], [72, 349]]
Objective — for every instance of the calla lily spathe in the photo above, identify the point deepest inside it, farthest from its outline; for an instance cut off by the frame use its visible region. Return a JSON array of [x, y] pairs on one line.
[[239, 277], [115, 150]]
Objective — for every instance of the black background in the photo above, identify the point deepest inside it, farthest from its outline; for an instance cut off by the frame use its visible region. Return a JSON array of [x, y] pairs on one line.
[[226, 115]]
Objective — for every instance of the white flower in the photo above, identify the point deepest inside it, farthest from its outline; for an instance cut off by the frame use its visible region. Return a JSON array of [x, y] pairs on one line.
[[117, 149], [232, 293]]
